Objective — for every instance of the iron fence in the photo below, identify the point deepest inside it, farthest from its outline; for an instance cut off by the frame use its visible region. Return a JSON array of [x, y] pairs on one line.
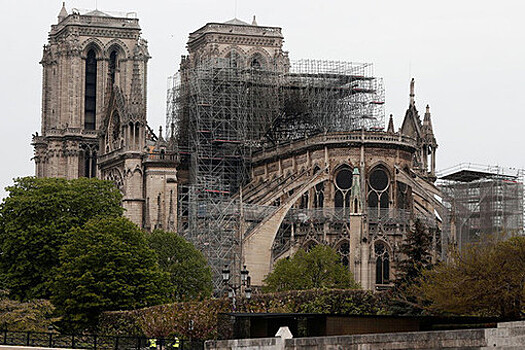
[[94, 341]]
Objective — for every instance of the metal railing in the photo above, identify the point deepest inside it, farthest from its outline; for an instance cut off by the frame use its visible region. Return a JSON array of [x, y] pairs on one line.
[[93, 341]]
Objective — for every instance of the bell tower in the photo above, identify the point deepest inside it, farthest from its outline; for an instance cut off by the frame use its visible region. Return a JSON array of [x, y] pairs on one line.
[[86, 57]]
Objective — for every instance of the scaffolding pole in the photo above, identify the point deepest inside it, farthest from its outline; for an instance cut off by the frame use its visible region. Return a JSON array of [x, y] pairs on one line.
[[482, 200]]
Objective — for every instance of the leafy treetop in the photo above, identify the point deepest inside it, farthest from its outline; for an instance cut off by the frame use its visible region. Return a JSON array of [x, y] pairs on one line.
[[106, 265], [34, 219], [189, 273], [319, 268]]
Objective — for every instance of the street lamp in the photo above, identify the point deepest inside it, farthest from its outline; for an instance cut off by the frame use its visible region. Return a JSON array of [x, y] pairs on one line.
[[233, 288]]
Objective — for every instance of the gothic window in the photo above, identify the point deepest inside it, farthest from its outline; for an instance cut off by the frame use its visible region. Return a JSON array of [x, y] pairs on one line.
[[257, 61], [89, 159], [318, 194], [304, 201], [112, 67], [378, 190], [343, 184], [233, 59], [90, 94], [382, 263], [344, 253], [116, 126]]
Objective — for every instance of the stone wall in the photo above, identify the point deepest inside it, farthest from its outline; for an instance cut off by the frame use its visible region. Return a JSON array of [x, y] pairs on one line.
[[508, 335]]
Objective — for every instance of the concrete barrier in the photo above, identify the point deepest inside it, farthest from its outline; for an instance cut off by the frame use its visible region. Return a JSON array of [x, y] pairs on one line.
[[508, 335]]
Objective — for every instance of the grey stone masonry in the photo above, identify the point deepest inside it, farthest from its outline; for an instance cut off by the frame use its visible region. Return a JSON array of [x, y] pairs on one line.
[[507, 335]]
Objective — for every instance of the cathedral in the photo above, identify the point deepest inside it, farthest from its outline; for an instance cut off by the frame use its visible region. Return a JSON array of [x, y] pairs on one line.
[[261, 155]]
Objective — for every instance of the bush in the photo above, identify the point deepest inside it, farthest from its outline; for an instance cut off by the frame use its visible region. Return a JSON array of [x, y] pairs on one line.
[[174, 319]]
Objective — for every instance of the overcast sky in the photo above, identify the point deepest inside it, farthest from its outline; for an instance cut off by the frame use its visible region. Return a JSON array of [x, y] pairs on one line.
[[467, 58]]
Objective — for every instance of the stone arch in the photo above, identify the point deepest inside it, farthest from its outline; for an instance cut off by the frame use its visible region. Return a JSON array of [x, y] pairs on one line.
[[231, 48], [382, 164], [137, 170], [339, 165], [234, 53], [119, 46], [259, 241], [96, 45], [309, 244], [263, 58]]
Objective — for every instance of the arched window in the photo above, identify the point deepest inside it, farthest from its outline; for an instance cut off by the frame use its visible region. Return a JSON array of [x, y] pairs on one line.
[[344, 253], [304, 201], [382, 263], [318, 193], [112, 67], [89, 159], [343, 184], [90, 94], [257, 61], [378, 190], [233, 59]]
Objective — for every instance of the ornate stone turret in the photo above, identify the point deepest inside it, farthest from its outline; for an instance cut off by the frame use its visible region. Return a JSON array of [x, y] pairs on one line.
[[430, 144], [63, 13], [424, 136]]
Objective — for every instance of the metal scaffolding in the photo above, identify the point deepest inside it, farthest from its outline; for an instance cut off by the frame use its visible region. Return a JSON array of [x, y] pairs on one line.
[[482, 200], [221, 112]]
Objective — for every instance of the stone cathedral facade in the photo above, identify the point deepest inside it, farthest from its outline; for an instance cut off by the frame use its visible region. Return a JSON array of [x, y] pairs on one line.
[[358, 190], [94, 115]]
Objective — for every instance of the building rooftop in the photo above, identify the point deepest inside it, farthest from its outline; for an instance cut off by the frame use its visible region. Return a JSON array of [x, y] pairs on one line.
[[236, 21], [467, 172]]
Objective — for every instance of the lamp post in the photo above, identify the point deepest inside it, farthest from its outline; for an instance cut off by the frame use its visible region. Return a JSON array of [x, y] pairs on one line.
[[233, 289]]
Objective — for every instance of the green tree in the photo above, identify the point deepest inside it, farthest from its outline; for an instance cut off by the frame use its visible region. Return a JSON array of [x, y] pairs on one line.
[[416, 251], [34, 219], [486, 279], [190, 275], [319, 268], [106, 265], [35, 315]]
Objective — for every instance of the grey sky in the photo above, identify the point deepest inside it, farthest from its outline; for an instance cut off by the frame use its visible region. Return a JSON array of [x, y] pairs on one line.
[[467, 58]]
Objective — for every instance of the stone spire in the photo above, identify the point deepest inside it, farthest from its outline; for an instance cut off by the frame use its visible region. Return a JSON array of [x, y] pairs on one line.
[[63, 13], [427, 124], [411, 125], [390, 128], [136, 97], [254, 22], [412, 93]]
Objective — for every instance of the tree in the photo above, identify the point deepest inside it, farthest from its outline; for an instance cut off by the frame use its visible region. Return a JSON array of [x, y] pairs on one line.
[[32, 316], [190, 275], [34, 219], [106, 265], [486, 279], [417, 252], [319, 268]]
